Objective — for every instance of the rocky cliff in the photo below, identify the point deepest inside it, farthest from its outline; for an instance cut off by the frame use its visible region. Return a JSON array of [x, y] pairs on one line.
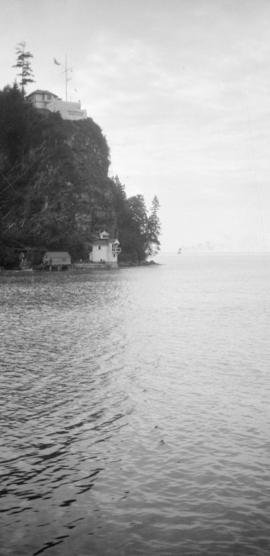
[[55, 192]]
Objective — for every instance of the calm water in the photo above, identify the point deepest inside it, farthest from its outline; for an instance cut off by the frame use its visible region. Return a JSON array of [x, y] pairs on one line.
[[135, 411]]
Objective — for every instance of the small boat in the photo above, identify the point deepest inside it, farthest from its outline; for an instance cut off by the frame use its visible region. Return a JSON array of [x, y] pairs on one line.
[[179, 252]]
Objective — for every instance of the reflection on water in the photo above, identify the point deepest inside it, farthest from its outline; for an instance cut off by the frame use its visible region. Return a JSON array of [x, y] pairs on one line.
[[135, 410]]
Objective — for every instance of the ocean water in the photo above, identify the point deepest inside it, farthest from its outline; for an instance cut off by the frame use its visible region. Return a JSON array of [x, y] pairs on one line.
[[134, 410]]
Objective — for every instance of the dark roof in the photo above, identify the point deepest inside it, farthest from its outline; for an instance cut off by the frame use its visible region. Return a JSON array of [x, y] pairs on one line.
[[57, 253], [101, 241], [41, 91]]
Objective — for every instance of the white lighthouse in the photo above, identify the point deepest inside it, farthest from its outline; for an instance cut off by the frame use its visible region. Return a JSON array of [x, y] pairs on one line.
[[105, 250]]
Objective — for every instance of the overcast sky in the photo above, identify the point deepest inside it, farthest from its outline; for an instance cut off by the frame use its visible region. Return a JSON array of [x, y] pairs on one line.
[[181, 90]]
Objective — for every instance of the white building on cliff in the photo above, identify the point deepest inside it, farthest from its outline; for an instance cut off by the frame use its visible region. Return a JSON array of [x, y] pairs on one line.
[[45, 100]]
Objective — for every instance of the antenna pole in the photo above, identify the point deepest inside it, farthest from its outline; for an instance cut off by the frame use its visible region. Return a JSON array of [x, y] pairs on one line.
[[66, 75], [67, 78]]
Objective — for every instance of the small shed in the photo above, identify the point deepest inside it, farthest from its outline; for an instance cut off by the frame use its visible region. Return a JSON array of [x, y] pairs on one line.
[[105, 250], [56, 260]]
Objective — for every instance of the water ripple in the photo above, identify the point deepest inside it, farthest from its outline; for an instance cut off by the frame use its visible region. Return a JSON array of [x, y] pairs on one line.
[[134, 411]]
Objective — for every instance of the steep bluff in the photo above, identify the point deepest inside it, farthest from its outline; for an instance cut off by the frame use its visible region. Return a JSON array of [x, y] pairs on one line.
[[55, 192]]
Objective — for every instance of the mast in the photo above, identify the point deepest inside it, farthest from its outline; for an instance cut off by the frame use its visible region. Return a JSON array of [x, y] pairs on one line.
[[67, 78]]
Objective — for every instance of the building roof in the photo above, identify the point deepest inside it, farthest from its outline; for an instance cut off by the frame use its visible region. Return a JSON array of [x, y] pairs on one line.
[[101, 241], [41, 92], [61, 253]]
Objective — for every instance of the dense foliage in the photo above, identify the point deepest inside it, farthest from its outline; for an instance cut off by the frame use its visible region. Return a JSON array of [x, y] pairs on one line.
[[55, 192]]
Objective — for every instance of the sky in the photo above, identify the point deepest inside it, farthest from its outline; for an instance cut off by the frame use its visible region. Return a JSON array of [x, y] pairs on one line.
[[180, 89]]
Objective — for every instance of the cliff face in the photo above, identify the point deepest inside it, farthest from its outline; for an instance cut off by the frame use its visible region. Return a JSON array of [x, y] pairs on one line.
[[54, 185]]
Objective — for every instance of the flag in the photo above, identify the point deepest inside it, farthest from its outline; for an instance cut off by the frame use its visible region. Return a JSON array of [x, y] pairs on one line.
[[56, 62]]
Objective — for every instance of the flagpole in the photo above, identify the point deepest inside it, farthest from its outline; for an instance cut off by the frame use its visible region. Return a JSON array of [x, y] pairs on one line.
[[65, 72], [66, 77]]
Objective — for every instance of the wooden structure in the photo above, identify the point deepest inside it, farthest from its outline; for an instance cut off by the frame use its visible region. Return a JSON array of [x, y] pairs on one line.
[[58, 260]]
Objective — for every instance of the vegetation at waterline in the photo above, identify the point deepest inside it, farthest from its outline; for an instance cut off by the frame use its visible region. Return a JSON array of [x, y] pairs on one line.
[[55, 192]]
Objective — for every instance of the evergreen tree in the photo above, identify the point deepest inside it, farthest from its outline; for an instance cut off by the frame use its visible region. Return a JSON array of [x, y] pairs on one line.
[[132, 230], [119, 203], [23, 66], [153, 229]]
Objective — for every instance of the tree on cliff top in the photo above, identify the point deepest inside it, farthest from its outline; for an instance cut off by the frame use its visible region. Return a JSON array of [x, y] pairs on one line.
[[23, 66]]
